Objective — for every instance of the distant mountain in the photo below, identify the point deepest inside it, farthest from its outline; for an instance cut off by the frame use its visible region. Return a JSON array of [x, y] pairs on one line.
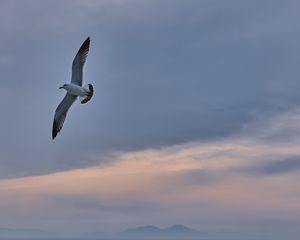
[[143, 232], [98, 235], [175, 231], [181, 230], [22, 233]]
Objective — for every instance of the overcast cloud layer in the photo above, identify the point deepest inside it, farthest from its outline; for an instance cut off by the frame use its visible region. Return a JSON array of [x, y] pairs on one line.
[[230, 188], [167, 74]]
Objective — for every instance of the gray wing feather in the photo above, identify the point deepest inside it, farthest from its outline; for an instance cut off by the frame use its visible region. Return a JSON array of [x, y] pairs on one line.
[[78, 63], [61, 113]]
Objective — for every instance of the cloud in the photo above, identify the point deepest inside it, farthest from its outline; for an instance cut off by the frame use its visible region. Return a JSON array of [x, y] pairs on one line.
[[190, 183], [285, 166], [174, 127], [173, 71]]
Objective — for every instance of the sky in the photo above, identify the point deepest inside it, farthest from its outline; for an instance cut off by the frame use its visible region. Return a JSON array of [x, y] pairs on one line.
[[195, 118]]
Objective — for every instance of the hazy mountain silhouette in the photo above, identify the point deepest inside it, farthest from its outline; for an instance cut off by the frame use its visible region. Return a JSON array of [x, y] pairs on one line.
[[142, 232], [175, 231], [23, 233]]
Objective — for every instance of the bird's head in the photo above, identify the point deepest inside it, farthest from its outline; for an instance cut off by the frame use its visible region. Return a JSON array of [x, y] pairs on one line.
[[63, 86]]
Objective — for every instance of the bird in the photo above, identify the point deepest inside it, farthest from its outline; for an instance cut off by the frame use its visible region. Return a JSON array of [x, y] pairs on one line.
[[74, 89]]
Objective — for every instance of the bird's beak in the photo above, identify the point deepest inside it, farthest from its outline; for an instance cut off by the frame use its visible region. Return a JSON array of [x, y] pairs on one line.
[[61, 87]]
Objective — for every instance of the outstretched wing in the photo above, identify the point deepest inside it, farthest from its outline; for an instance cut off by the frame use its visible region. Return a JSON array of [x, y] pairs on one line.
[[61, 113], [78, 63]]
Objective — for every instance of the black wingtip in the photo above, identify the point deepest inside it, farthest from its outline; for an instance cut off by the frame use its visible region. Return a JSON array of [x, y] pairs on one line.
[[85, 45], [54, 130], [87, 41], [89, 94]]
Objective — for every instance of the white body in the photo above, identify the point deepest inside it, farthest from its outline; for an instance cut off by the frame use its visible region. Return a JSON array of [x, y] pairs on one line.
[[75, 90]]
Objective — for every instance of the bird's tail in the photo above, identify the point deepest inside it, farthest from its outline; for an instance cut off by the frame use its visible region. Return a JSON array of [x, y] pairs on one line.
[[90, 92]]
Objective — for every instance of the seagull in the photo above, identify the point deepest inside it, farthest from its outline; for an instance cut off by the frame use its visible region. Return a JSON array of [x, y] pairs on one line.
[[74, 89]]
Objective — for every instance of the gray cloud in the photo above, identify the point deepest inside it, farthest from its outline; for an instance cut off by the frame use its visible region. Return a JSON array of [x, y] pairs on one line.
[[96, 205], [288, 165], [165, 73], [203, 177]]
